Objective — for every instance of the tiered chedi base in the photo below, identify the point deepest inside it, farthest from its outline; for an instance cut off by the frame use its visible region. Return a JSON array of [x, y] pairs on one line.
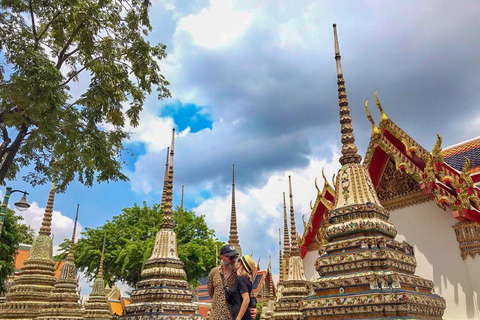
[[365, 273], [64, 300], [163, 292], [294, 290], [30, 291], [96, 307]]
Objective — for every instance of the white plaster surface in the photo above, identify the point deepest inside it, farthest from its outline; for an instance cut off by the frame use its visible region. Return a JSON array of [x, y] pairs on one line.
[[429, 230], [309, 265]]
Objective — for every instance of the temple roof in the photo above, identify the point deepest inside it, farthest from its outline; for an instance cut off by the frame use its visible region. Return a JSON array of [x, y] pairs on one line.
[[393, 154], [455, 155]]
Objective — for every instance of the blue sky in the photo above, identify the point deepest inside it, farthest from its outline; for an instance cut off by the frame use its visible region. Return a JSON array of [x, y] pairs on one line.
[[254, 83]]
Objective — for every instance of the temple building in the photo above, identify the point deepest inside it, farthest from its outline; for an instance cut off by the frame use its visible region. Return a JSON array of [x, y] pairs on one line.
[[364, 271], [420, 188], [163, 292]]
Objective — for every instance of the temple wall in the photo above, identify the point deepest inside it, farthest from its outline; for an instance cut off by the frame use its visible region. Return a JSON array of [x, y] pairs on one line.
[[429, 230], [309, 265]]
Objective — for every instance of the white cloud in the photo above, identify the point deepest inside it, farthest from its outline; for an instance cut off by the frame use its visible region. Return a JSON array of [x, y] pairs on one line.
[[216, 26], [260, 210], [62, 226]]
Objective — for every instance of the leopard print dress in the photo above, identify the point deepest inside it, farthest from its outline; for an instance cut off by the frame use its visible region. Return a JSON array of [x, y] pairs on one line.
[[220, 309]]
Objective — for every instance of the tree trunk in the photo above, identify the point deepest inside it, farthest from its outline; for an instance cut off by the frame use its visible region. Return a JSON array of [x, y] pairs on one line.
[[12, 152]]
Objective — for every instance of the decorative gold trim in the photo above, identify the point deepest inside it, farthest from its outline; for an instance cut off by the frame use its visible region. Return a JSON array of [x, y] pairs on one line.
[[468, 237]]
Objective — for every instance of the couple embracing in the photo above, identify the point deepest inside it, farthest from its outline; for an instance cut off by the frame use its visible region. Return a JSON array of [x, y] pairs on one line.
[[230, 286]]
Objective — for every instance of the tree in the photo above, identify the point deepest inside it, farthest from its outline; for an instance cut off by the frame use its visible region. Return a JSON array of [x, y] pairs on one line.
[[45, 47], [9, 240], [27, 233], [130, 237]]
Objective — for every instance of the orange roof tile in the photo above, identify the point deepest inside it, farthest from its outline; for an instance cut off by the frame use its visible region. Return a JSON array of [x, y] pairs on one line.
[[22, 255], [115, 307]]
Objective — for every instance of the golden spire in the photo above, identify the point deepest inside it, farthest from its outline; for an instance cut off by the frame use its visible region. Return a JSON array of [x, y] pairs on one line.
[[286, 233], [165, 178], [294, 251], [181, 203], [72, 243], [47, 217], [102, 257], [349, 149], [167, 206], [280, 265], [233, 239], [96, 307]]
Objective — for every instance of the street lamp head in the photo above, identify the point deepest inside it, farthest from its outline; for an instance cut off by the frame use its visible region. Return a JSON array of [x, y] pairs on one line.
[[22, 204]]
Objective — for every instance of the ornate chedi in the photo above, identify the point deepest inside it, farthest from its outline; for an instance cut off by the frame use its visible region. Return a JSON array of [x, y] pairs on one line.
[[64, 299], [269, 305], [284, 261], [96, 307], [233, 238], [364, 272], [163, 292], [30, 291], [295, 284]]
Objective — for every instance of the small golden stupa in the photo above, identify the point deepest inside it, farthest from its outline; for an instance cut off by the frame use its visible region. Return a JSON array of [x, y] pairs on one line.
[[31, 289], [163, 292], [64, 299], [96, 307], [294, 286]]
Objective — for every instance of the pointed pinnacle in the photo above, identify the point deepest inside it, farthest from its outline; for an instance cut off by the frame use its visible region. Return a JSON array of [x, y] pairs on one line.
[[47, 217], [72, 243], [167, 206], [293, 231], [233, 239], [286, 233], [102, 257], [349, 149]]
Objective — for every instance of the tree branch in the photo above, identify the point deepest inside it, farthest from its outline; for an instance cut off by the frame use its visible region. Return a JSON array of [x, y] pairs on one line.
[[49, 23], [61, 55], [12, 152], [6, 140], [32, 17], [73, 76]]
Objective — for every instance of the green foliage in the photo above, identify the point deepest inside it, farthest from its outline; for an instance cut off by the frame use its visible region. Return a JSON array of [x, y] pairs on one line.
[[130, 237], [27, 234], [9, 240], [259, 308], [48, 45]]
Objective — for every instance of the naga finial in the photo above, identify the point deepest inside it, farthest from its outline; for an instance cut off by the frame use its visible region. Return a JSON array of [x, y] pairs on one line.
[[375, 132], [437, 150], [383, 116], [316, 186], [326, 184], [466, 174]]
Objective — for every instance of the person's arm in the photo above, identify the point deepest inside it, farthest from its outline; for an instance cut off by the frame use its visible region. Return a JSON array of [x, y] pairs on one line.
[[244, 306], [210, 284]]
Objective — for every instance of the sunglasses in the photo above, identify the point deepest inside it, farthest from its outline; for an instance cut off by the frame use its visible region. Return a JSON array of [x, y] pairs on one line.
[[231, 258]]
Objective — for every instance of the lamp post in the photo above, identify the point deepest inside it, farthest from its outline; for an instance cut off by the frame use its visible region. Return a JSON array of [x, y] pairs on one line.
[[21, 205]]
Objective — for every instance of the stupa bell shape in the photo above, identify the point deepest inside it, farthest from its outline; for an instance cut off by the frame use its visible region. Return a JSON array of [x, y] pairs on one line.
[[30, 291], [163, 292]]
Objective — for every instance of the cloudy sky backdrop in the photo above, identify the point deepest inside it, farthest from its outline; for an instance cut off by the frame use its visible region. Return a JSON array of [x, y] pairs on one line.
[[254, 83]]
